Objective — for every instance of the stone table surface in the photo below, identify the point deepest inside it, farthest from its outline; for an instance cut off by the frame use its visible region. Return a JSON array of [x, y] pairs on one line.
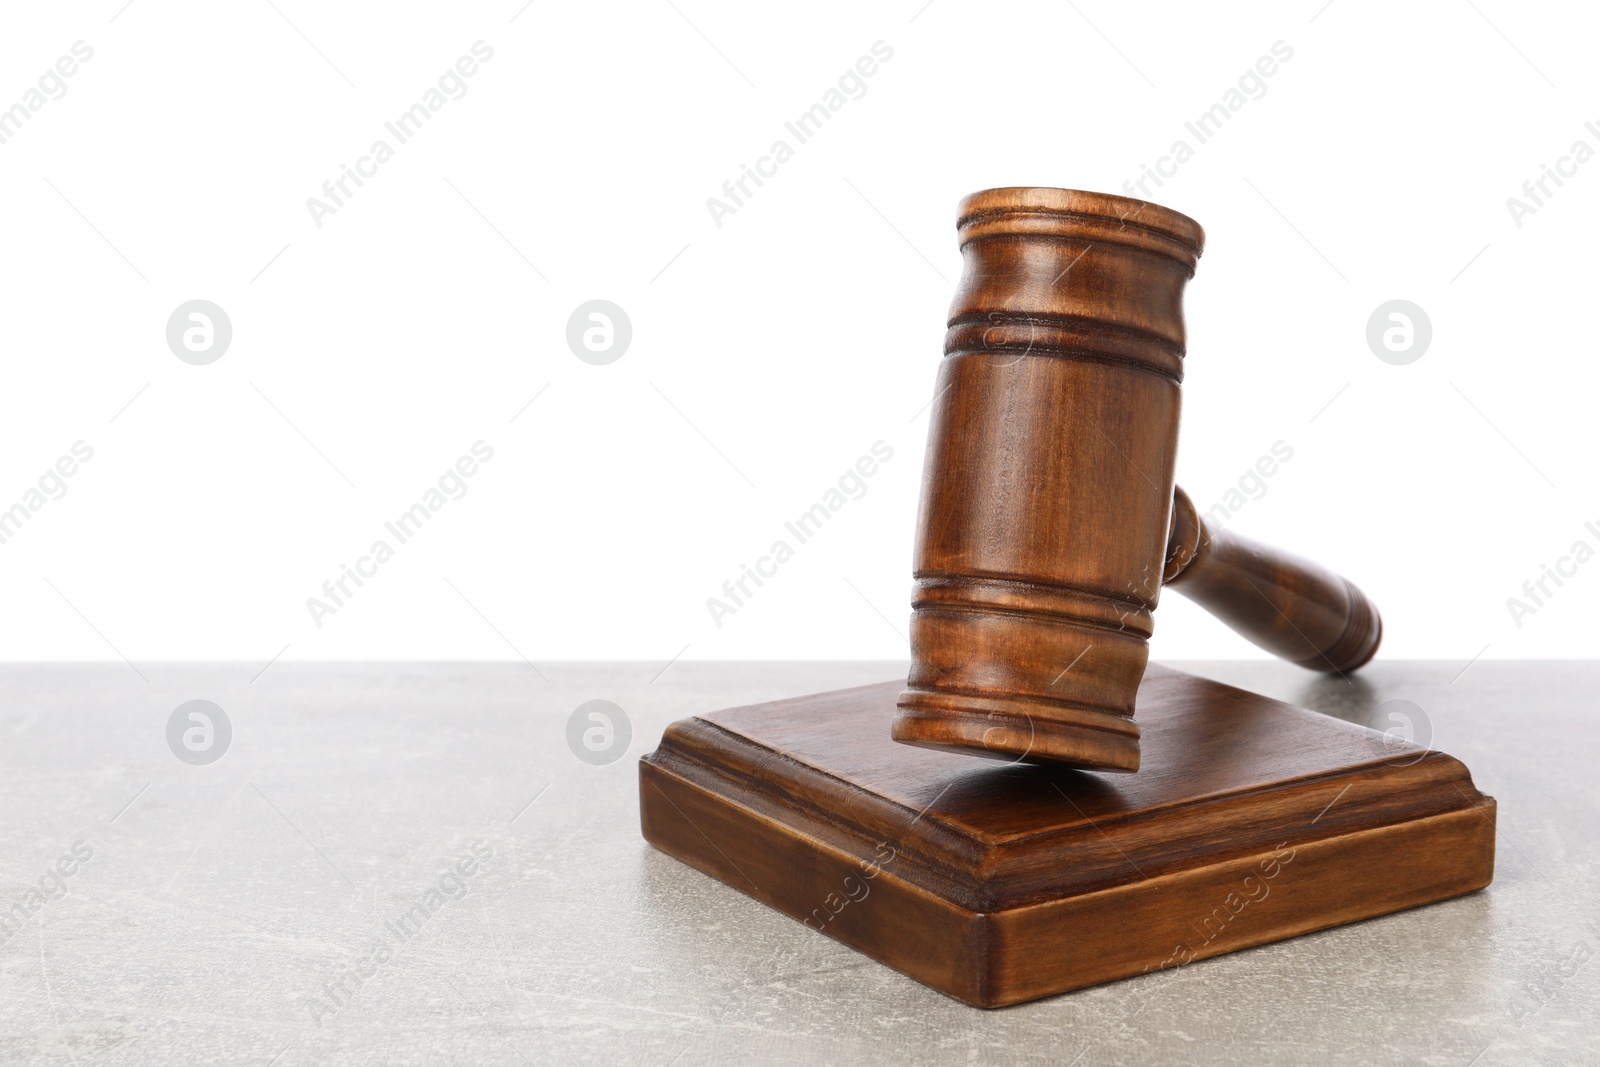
[[253, 909]]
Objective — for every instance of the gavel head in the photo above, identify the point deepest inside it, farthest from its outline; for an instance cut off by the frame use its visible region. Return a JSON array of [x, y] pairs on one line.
[[1047, 491]]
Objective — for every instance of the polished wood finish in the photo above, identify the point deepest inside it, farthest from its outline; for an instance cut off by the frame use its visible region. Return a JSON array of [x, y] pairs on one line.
[[1047, 524], [1047, 490], [1251, 821], [1290, 606]]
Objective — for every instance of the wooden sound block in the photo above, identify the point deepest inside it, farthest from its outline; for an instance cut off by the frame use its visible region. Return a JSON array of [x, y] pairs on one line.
[[1250, 821]]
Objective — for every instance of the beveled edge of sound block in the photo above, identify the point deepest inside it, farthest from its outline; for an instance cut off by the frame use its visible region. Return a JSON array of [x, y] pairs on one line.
[[990, 898]]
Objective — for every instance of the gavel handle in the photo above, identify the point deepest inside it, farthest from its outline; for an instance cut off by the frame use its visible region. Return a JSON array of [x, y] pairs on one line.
[[1289, 606]]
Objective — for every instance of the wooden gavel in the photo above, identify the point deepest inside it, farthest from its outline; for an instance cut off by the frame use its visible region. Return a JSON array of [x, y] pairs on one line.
[[1049, 519], [1290, 606]]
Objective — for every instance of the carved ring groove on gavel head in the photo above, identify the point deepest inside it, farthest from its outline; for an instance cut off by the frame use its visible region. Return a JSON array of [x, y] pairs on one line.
[[1047, 498]]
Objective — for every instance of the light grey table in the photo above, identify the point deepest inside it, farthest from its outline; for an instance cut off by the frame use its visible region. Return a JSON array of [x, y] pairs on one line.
[[220, 905]]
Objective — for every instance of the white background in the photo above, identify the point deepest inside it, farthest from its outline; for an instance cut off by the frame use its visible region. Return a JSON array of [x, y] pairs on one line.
[[769, 353]]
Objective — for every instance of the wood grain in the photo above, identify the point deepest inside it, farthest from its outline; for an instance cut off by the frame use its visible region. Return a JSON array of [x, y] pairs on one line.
[[1290, 606], [998, 884], [1048, 521], [1047, 491]]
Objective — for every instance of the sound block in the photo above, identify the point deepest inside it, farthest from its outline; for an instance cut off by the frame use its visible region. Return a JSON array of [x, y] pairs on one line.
[[1250, 821]]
